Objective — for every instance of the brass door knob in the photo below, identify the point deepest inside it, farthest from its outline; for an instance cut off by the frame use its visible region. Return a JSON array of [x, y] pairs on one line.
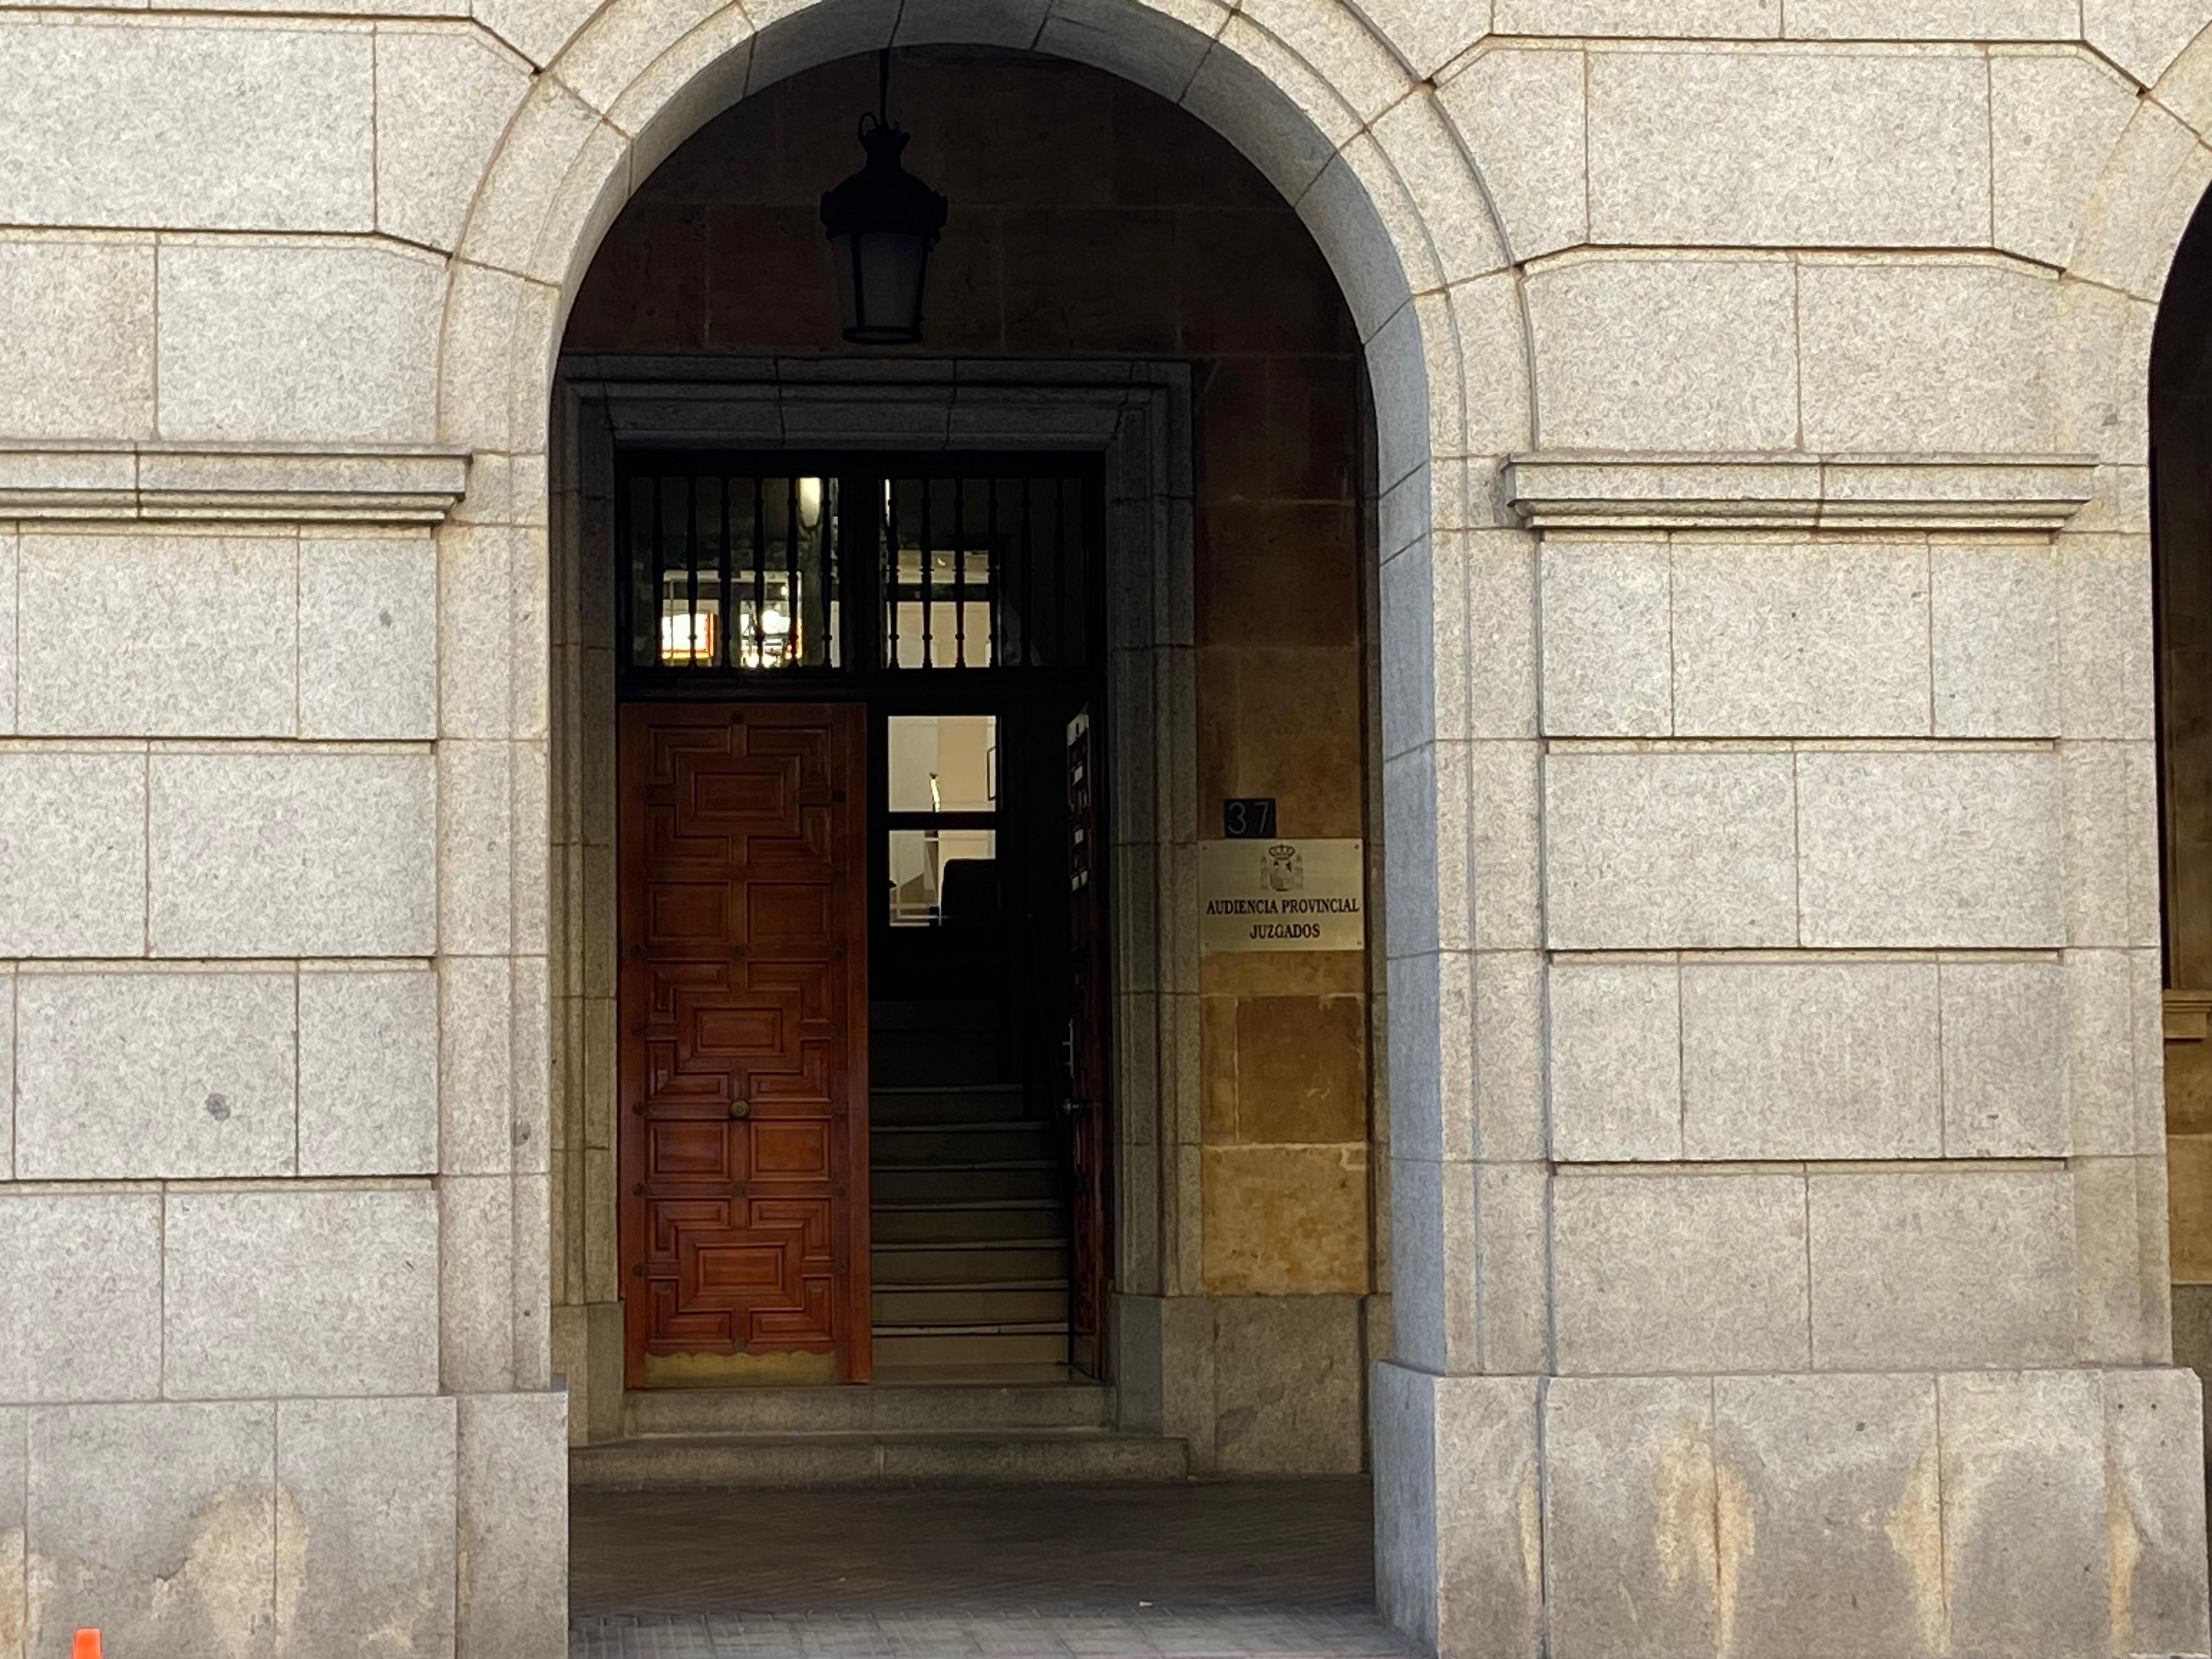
[[741, 1108]]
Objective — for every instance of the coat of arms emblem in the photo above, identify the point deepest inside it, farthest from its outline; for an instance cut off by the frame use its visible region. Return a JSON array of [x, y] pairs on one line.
[[1285, 872]]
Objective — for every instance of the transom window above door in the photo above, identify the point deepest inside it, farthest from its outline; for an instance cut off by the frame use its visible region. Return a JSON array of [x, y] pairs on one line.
[[776, 568]]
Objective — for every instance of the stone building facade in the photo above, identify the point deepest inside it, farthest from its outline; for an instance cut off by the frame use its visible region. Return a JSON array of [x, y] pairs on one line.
[[1732, 632]]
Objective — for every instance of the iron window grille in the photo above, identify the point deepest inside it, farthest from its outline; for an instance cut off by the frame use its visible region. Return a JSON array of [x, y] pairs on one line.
[[765, 569]]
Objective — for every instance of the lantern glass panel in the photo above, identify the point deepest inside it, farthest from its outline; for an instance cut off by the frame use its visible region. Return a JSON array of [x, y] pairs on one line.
[[881, 275]]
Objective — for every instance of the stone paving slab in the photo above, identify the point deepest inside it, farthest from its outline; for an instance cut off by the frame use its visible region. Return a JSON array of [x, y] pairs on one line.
[[997, 1634], [1245, 1569]]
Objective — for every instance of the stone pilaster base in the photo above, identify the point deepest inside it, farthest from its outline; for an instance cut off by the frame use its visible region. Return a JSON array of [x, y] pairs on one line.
[[1253, 1384], [292, 1529], [2051, 1512]]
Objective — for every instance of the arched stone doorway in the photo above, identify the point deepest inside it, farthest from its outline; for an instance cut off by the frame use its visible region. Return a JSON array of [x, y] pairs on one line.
[[1359, 145], [1118, 286]]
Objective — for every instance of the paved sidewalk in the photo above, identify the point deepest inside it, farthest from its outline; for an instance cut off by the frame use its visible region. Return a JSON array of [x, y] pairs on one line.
[[1278, 1570]]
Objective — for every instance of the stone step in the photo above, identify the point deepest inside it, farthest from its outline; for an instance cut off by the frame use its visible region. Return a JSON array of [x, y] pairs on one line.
[[996, 1103], [994, 1263], [902, 1059], [953, 1350], [1013, 1457], [874, 1408], [957, 1183], [904, 1146], [966, 1223], [971, 1307]]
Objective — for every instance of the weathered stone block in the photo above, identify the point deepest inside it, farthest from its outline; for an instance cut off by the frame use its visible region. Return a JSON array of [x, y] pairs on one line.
[[1606, 609], [1928, 849], [2111, 843], [2107, 675], [2005, 1060], [2024, 1512], [80, 1304], [1763, 148], [475, 1093], [1630, 1536], [1931, 20], [475, 882], [1885, 371], [2154, 1512], [1688, 1273], [7, 632], [1508, 1100], [2102, 1058], [15, 1486], [1822, 1061], [443, 98], [365, 1511], [299, 342], [1668, 851], [168, 635], [1728, 379], [194, 127], [72, 854], [313, 1291], [1435, 1264], [1829, 1525], [1459, 1559], [1513, 1300], [80, 361], [1432, 1036], [1286, 1376], [156, 1523], [476, 1281], [368, 665], [1284, 1219], [514, 1528], [132, 1075], [1616, 1062], [1995, 628], [1730, 19], [1301, 1069], [1519, 109], [2123, 1310], [1934, 1268], [300, 852], [1816, 640], [368, 1071]]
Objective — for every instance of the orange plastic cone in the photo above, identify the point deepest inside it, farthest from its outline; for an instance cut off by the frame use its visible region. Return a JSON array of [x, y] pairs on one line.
[[87, 1646]]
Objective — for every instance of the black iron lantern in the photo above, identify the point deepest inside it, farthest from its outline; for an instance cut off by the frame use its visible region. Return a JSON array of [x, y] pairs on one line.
[[883, 222]]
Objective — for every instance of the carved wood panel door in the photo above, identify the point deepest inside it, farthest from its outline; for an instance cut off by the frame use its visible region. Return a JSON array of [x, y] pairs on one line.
[[742, 1153]]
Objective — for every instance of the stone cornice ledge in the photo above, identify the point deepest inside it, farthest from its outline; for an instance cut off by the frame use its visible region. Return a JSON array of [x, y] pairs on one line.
[[221, 483], [1589, 489]]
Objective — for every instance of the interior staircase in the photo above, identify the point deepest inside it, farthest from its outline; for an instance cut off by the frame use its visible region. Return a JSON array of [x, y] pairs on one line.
[[967, 1205], [969, 1252], [970, 1258]]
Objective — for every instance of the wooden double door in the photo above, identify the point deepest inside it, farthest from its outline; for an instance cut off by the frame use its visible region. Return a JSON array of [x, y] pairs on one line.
[[744, 927], [743, 1071]]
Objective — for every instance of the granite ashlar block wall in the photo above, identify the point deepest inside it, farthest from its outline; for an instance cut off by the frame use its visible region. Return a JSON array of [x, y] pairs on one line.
[[233, 1420], [1811, 267]]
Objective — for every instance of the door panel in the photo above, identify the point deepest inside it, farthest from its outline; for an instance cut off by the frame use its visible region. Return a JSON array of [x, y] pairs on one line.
[[744, 997], [1088, 1268]]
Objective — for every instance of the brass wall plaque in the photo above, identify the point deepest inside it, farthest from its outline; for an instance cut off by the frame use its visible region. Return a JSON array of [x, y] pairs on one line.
[[1283, 894]]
